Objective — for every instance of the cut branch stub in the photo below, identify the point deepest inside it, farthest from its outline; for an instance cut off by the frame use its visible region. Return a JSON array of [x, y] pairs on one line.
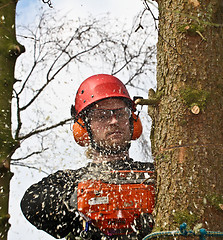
[[195, 109], [196, 100], [153, 98], [16, 49]]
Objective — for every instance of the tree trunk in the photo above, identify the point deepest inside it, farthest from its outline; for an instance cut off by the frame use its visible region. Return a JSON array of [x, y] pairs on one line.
[[187, 134], [9, 51]]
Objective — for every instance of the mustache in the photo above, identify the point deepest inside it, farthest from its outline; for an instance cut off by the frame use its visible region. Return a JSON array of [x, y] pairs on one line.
[[112, 131]]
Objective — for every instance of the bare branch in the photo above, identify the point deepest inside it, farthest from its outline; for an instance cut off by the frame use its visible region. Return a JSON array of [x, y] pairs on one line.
[[37, 131], [27, 166], [55, 48], [28, 156], [19, 122]]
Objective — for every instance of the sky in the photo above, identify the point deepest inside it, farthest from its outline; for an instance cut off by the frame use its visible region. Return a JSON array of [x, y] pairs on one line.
[[124, 10]]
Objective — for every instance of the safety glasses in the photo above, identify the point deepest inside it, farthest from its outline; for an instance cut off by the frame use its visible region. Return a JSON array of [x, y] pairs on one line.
[[104, 115]]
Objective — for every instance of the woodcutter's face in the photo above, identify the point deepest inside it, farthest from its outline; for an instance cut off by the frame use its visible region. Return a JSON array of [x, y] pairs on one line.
[[109, 121]]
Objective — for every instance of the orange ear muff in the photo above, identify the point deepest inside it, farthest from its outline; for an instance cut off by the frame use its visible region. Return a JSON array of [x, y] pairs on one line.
[[80, 133], [137, 127]]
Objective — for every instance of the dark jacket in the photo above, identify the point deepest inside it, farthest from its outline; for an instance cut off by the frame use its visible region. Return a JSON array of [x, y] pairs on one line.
[[47, 204]]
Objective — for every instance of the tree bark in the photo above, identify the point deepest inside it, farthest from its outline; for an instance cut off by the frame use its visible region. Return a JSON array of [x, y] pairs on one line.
[[9, 51], [187, 133]]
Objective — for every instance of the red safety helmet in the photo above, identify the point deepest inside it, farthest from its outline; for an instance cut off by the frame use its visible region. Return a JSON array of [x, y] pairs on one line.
[[92, 90], [98, 87]]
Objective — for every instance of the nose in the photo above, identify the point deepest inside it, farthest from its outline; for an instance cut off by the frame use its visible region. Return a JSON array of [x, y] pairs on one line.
[[113, 119]]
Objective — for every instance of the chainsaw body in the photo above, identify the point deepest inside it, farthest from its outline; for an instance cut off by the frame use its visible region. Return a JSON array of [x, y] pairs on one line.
[[117, 207]]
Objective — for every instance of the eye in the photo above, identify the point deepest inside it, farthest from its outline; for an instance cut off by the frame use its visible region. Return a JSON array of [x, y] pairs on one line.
[[103, 115], [121, 114]]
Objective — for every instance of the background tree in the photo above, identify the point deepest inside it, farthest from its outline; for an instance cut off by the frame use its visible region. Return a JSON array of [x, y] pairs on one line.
[[9, 51], [53, 57], [187, 114], [187, 133]]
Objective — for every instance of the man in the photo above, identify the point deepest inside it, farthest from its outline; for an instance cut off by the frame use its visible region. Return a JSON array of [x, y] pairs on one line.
[[92, 202]]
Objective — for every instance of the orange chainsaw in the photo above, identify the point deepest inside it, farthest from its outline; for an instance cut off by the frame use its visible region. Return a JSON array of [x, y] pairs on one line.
[[122, 206]]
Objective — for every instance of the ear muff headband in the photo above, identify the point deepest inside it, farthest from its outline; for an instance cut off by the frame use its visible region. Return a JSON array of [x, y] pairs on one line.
[[82, 138]]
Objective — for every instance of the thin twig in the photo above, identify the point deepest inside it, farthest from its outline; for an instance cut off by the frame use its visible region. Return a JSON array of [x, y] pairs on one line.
[[34, 132], [29, 155], [27, 166], [48, 2]]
